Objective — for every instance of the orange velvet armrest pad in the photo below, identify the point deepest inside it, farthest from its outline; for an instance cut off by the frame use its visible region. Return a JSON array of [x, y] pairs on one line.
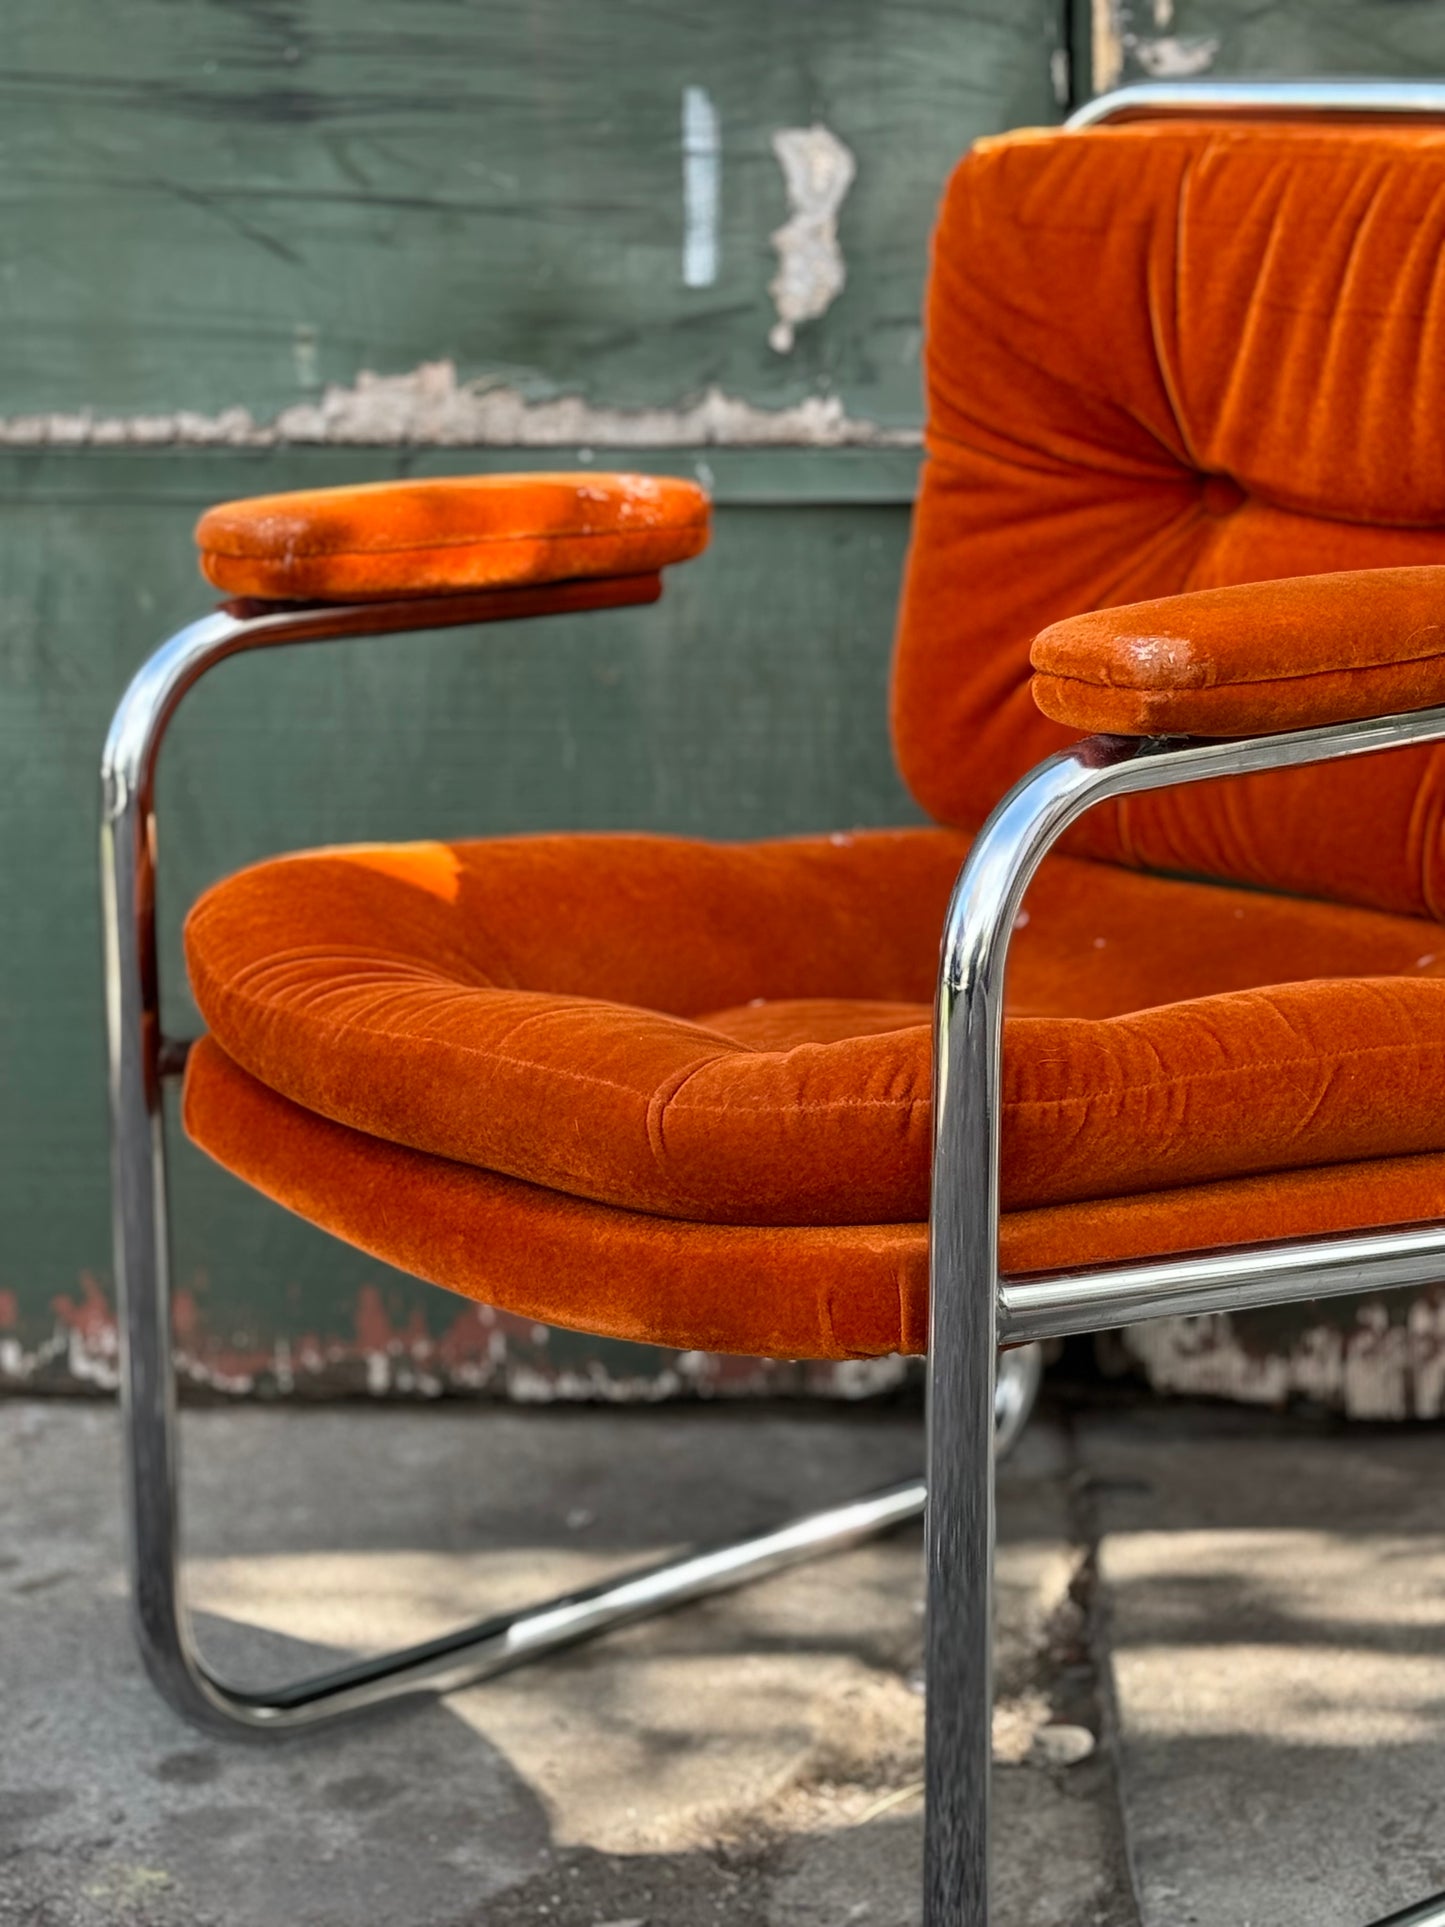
[[1250, 660], [389, 539]]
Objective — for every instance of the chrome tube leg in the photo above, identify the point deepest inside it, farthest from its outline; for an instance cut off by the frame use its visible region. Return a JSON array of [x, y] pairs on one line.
[[959, 1627], [138, 1059], [962, 1391], [964, 1305], [1426, 1913], [477, 1651], [141, 1245]]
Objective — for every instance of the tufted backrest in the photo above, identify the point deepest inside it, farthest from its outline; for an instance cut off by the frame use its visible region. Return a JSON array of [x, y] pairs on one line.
[[1166, 356]]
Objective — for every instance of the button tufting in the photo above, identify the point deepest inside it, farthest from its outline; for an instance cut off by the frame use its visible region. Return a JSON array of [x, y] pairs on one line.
[[1222, 495]]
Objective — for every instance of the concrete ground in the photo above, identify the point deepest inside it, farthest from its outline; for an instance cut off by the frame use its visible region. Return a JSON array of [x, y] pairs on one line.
[[1242, 1610]]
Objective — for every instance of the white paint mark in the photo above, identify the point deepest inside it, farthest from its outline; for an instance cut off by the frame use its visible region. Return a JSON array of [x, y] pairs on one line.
[[304, 358], [429, 408], [1176, 56], [818, 170], [1061, 76], [701, 187], [1162, 56]]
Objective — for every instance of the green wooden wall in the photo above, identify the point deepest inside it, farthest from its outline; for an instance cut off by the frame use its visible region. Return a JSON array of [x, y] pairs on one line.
[[212, 204], [253, 244], [1134, 40]]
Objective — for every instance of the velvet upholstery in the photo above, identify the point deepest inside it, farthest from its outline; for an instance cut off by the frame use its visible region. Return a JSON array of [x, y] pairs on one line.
[[1161, 357], [389, 539], [829, 1291], [579, 1012], [1250, 659], [679, 1092]]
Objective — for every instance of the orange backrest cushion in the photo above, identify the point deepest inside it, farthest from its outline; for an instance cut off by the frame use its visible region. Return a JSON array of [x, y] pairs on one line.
[[1170, 356]]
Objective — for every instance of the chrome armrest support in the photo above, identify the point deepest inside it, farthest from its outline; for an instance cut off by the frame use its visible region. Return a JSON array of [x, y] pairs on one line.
[[139, 1060], [144, 713]]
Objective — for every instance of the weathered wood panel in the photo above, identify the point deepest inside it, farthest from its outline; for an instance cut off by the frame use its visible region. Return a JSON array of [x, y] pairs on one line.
[[750, 701], [245, 223], [257, 223], [254, 224], [1289, 39], [224, 204]]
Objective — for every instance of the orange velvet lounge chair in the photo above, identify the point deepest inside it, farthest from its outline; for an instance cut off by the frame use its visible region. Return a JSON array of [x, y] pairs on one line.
[[1170, 682]]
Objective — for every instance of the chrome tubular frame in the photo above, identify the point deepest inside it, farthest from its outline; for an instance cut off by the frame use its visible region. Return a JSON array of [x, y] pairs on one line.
[[1352, 100], [140, 1060], [973, 1309]]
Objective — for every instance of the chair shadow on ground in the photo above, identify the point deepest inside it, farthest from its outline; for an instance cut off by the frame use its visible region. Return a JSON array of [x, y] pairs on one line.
[[613, 1783]]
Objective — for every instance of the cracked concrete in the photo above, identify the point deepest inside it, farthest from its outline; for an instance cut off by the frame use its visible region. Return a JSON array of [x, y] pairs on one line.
[[1272, 1593], [1244, 1608], [753, 1760]]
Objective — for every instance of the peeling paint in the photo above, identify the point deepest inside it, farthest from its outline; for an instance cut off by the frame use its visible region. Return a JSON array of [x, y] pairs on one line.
[[429, 407], [1381, 1367], [482, 1353], [1175, 56], [1107, 46], [1377, 1364], [1160, 56], [818, 170], [701, 187]]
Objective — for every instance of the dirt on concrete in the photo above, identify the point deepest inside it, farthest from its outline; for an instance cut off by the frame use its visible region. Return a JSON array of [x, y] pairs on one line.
[[755, 1759]]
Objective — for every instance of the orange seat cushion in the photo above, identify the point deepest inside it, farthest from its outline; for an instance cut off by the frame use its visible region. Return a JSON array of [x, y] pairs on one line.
[[467, 532], [739, 1034], [831, 1291]]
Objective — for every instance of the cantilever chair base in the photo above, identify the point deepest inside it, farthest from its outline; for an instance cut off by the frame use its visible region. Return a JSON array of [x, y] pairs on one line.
[[141, 1060], [499, 1644]]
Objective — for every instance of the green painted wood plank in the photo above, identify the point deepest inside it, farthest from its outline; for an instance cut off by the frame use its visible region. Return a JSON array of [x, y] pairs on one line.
[[190, 480], [751, 701], [1285, 39], [206, 203]]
